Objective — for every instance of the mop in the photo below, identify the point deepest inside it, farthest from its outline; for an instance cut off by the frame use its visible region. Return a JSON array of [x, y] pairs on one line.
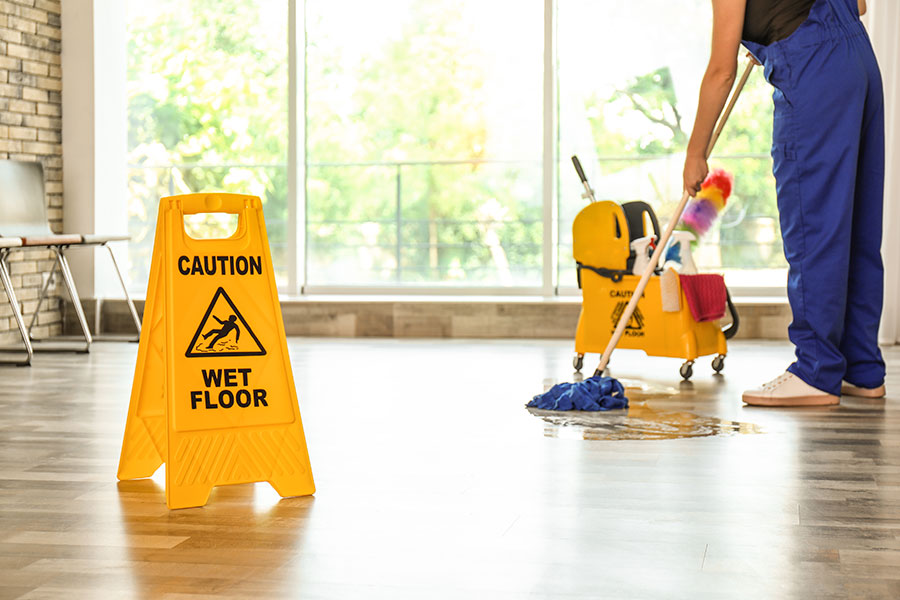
[[607, 393]]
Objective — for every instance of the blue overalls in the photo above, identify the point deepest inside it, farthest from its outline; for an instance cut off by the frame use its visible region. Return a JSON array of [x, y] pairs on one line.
[[828, 150]]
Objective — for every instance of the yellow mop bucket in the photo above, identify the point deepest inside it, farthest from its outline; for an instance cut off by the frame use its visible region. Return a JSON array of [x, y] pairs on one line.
[[602, 234]]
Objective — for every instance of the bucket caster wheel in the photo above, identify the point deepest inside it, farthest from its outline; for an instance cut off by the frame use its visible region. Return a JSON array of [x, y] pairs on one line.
[[687, 370], [578, 362], [718, 363]]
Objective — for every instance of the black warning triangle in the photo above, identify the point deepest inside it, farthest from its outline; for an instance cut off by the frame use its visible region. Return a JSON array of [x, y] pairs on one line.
[[228, 335], [635, 322]]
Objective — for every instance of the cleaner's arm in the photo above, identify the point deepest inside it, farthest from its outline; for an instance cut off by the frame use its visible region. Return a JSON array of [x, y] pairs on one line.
[[862, 7], [728, 23]]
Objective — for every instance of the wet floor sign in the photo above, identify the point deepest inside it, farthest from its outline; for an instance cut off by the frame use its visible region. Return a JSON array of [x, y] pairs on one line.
[[213, 395]]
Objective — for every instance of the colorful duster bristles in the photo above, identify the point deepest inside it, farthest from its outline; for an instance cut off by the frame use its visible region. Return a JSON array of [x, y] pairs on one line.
[[708, 203]]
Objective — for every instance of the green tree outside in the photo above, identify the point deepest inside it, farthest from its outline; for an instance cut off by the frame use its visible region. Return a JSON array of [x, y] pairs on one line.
[[746, 235], [207, 83], [407, 121]]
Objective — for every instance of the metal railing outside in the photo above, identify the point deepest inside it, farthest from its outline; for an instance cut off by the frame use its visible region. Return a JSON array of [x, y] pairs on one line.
[[172, 175]]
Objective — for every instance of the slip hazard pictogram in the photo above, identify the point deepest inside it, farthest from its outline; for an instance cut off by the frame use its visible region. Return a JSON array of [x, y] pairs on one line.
[[223, 331], [635, 322]]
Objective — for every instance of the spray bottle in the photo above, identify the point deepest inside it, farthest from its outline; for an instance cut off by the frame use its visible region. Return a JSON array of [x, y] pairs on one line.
[[682, 240], [641, 248]]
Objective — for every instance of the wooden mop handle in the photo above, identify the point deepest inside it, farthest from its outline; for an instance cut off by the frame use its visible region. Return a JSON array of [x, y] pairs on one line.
[[661, 245]]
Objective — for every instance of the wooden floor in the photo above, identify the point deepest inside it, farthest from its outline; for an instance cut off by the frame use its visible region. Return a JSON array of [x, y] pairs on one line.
[[435, 482]]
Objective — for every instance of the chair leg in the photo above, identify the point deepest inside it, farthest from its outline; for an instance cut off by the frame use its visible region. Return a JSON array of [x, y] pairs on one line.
[[43, 295], [73, 294], [17, 313], [134, 314]]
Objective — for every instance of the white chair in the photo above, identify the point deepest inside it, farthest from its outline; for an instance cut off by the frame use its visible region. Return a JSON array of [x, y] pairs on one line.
[[23, 215]]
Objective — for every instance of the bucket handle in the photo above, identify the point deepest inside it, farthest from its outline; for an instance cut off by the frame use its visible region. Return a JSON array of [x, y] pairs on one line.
[[731, 331]]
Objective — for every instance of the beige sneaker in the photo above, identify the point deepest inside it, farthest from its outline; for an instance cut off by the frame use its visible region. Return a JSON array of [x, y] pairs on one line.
[[788, 390], [849, 389]]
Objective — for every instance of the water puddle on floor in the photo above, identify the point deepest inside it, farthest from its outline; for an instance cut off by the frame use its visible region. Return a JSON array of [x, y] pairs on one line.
[[640, 421]]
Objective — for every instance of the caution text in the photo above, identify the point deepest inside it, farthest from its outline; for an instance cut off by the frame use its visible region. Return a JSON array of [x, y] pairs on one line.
[[220, 265]]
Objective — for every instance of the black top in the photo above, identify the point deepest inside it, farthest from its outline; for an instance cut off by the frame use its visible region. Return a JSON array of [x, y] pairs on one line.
[[768, 21]]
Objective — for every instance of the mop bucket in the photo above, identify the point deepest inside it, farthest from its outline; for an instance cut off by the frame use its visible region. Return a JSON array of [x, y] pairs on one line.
[[602, 235]]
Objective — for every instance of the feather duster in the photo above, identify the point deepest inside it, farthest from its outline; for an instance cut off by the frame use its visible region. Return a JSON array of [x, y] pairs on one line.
[[708, 203]]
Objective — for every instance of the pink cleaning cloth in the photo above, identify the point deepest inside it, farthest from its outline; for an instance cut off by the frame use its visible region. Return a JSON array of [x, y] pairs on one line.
[[705, 295]]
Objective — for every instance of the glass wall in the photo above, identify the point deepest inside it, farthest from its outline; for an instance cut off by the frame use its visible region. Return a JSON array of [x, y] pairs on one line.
[[424, 142], [207, 110], [423, 127], [628, 87]]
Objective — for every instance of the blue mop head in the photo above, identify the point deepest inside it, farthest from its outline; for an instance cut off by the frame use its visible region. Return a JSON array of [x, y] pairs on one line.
[[594, 393]]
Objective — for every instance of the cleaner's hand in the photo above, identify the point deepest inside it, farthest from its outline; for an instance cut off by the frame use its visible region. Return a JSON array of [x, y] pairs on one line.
[[695, 171]]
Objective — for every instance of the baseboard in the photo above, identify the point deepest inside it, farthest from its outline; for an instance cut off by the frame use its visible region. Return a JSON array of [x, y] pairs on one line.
[[458, 317]]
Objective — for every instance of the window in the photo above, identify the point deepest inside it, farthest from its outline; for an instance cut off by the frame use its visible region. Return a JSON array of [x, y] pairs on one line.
[[207, 110], [424, 143], [423, 133], [626, 108]]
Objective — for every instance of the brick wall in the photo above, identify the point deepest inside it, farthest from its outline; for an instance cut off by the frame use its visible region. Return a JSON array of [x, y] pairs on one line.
[[31, 129]]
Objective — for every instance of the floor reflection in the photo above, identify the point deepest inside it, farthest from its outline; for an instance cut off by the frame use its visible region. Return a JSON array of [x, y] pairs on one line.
[[244, 536], [640, 421]]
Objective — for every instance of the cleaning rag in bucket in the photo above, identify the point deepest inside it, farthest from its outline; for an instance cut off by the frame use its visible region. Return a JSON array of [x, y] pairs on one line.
[[594, 393], [706, 296]]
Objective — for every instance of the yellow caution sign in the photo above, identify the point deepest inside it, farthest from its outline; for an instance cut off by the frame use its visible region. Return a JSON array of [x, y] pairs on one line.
[[213, 394]]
